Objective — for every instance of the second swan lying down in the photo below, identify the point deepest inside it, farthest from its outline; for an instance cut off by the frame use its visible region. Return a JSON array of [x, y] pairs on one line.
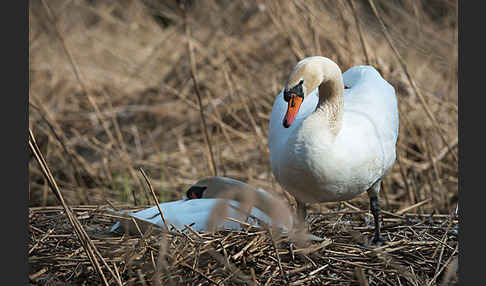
[[210, 201], [333, 136]]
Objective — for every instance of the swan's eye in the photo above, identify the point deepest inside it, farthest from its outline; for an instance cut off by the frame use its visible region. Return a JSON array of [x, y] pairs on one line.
[[296, 90]]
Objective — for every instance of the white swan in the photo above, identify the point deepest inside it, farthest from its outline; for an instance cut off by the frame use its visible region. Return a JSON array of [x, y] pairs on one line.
[[210, 201], [333, 136]]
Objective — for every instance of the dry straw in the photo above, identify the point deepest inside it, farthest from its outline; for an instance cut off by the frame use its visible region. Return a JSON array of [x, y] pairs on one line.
[[86, 242], [252, 255]]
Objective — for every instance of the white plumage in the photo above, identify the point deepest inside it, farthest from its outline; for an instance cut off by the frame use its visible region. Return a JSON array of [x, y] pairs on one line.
[[343, 138], [306, 157], [213, 200], [196, 213]]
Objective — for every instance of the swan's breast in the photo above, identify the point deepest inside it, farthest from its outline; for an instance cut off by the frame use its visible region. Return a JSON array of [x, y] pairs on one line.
[[319, 167]]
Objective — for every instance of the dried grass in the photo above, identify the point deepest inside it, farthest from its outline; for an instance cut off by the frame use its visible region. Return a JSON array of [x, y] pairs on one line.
[[116, 93], [419, 249]]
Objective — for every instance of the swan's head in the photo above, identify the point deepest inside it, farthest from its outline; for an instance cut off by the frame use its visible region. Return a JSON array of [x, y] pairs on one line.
[[306, 76], [217, 186], [195, 192]]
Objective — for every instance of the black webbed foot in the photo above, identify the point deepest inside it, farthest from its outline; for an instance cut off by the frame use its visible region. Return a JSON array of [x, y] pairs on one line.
[[375, 210], [378, 241]]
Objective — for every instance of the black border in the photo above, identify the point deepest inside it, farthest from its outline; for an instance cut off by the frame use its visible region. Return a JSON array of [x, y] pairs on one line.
[[471, 204], [14, 28]]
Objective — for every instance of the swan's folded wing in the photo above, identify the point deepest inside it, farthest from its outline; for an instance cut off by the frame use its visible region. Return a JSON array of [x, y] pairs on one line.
[[196, 213], [372, 98], [371, 94]]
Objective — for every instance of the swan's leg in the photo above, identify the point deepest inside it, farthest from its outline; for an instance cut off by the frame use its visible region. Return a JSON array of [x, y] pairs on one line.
[[301, 210], [375, 210]]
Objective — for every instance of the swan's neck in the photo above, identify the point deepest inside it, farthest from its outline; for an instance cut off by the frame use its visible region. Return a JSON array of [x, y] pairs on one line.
[[331, 102]]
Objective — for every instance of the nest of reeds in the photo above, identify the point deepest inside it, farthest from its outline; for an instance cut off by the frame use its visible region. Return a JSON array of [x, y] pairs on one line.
[[421, 250]]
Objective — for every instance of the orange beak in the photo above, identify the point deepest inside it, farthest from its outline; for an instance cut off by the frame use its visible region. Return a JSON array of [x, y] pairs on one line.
[[292, 109]]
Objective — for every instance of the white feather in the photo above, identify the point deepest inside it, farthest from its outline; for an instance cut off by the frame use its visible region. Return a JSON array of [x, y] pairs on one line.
[[317, 166]]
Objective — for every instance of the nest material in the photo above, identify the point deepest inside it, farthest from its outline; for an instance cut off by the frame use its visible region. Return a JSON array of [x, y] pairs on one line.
[[420, 249]]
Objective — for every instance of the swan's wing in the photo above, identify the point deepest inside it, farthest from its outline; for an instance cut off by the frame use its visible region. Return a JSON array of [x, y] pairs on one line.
[[372, 98], [278, 135], [371, 94], [180, 213], [195, 212], [199, 212], [172, 211], [149, 215]]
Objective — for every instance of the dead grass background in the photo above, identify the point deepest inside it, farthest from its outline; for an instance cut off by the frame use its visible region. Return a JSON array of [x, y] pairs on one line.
[[111, 91], [132, 60]]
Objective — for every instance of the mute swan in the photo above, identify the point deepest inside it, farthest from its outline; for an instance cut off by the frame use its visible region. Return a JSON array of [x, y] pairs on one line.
[[212, 199], [333, 136]]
